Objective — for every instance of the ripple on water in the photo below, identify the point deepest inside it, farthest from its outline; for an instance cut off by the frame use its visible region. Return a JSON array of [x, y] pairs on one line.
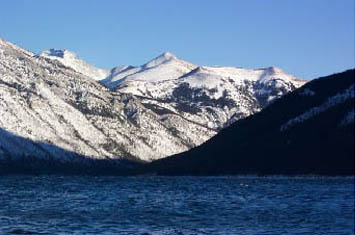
[[176, 205]]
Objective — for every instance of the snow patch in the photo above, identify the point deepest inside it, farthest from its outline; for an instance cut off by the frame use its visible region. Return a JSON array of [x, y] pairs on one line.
[[163, 58], [348, 118], [307, 92], [332, 101], [70, 59]]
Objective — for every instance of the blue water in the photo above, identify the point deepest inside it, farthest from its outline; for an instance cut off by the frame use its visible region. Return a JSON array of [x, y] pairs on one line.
[[176, 205]]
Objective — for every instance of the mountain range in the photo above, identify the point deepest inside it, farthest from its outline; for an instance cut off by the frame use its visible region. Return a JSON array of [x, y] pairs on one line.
[[64, 108], [308, 131], [60, 114], [211, 96]]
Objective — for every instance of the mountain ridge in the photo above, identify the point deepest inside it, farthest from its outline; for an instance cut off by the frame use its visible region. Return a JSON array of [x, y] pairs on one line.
[[218, 95], [72, 60], [321, 144], [44, 100]]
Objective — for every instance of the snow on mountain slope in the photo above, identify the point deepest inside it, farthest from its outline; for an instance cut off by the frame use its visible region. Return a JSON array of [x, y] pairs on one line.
[[307, 132], [164, 67], [214, 96], [163, 107], [54, 106], [210, 96], [71, 60], [331, 101], [210, 78]]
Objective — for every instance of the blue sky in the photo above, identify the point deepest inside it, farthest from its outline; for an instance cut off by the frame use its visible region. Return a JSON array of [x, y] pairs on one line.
[[308, 38]]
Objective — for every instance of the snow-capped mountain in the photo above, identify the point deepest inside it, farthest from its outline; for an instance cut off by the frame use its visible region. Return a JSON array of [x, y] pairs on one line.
[[71, 60], [309, 131], [211, 96], [165, 67], [163, 107], [53, 106]]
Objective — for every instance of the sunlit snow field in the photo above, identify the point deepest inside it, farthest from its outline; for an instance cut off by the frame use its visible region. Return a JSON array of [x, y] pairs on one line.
[[176, 205]]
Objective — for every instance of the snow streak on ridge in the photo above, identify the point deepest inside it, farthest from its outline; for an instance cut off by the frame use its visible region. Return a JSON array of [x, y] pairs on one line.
[[332, 101]]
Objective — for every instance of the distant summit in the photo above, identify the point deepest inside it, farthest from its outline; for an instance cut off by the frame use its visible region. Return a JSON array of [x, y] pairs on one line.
[[273, 70], [61, 53], [213, 96], [71, 60], [162, 68], [163, 58]]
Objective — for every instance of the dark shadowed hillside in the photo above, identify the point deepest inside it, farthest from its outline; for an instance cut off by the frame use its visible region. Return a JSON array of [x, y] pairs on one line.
[[55, 160], [309, 131]]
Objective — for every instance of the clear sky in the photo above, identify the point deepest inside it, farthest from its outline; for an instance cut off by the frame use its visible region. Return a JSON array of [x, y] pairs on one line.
[[308, 38]]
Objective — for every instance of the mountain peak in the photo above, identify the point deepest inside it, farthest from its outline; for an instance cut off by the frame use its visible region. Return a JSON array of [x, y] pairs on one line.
[[61, 53], [168, 55], [165, 57], [70, 59], [273, 70]]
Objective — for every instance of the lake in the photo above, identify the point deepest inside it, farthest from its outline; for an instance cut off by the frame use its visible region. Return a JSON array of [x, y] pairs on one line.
[[176, 205]]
